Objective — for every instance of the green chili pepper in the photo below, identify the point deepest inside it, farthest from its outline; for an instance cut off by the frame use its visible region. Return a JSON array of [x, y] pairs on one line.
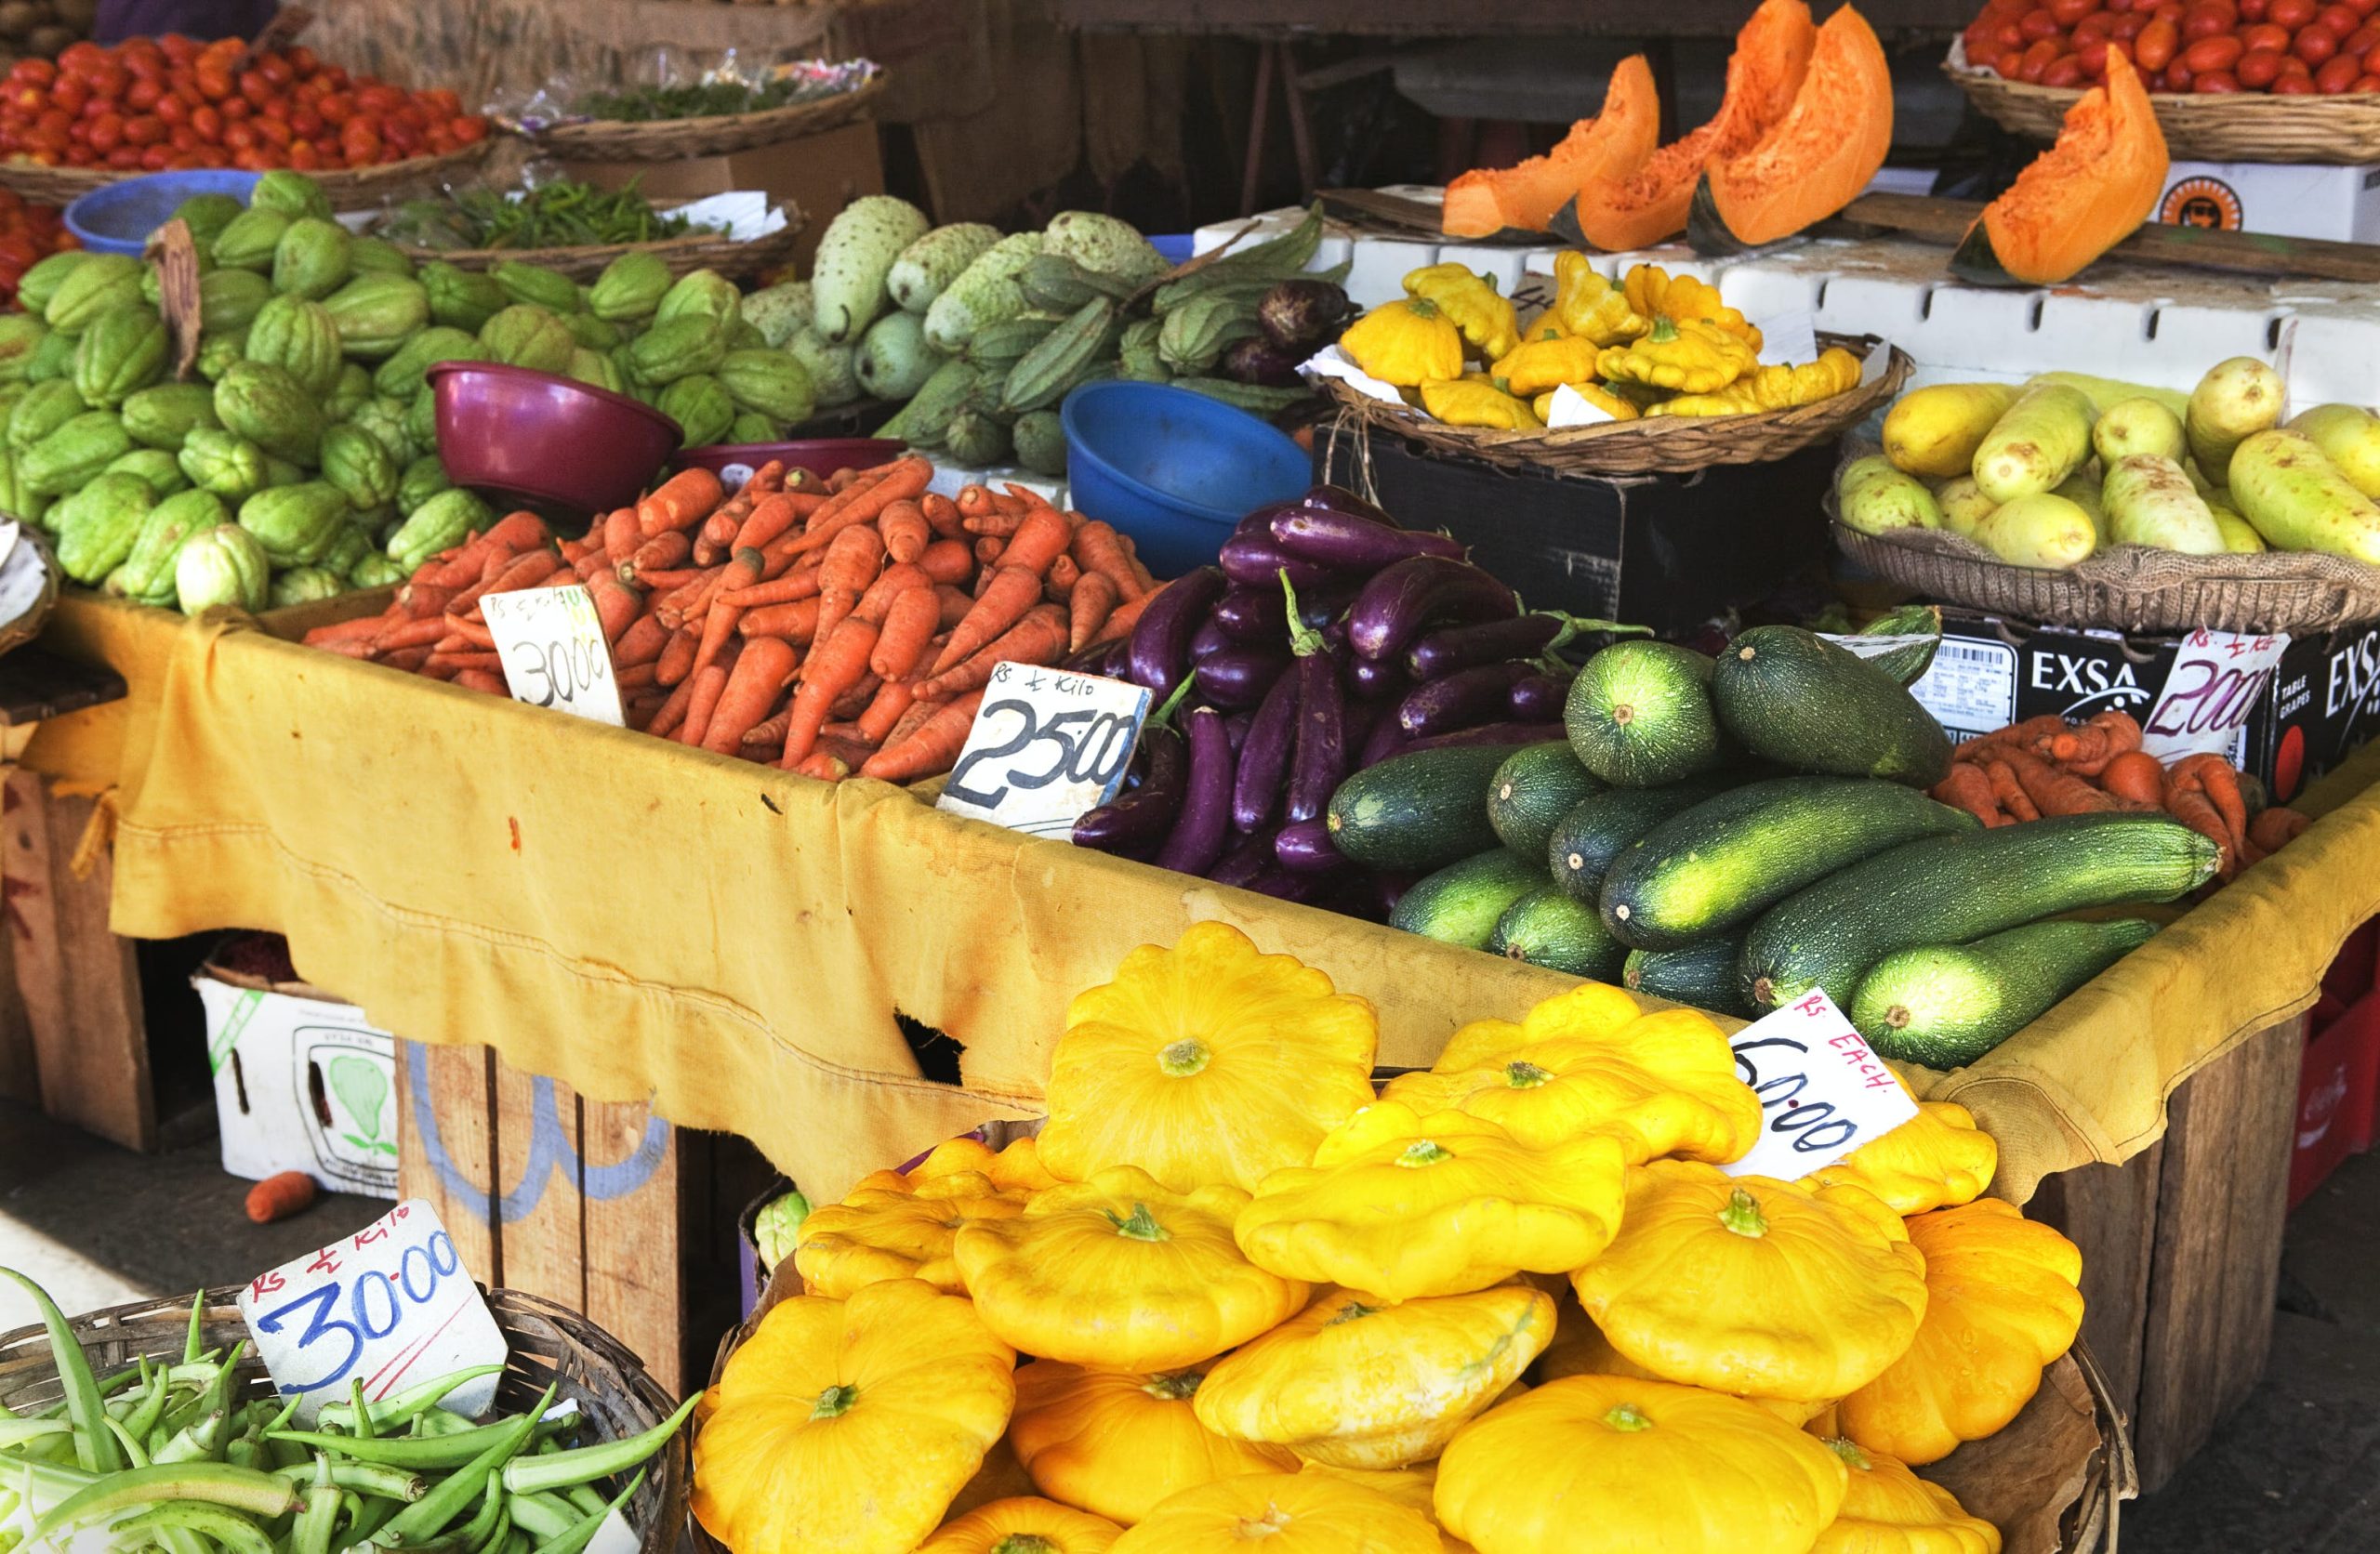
[[95, 1446], [590, 1463], [426, 1516]]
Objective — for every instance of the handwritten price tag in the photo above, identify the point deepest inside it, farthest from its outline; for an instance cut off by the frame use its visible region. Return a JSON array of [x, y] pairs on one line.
[[553, 651], [1823, 1092], [1046, 746], [2217, 680], [391, 1305]]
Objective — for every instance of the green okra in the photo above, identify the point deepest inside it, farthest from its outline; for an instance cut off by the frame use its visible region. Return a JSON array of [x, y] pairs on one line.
[[362, 1478], [588, 1464], [582, 1531], [423, 1519], [146, 1414], [234, 1531], [206, 1482], [585, 1496], [409, 1404], [95, 1446], [318, 1514], [17, 1433], [545, 1515], [196, 1331], [483, 1523], [202, 1440], [129, 1443]]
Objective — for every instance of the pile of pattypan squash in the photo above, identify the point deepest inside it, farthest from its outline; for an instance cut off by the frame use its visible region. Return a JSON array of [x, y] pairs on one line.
[[1229, 1291], [1651, 344]]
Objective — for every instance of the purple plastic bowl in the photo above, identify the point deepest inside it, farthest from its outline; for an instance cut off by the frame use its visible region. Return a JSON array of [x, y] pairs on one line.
[[734, 462], [547, 439]]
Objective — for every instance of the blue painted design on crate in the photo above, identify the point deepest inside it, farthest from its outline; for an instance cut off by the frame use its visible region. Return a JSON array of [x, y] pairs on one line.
[[550, 1150]]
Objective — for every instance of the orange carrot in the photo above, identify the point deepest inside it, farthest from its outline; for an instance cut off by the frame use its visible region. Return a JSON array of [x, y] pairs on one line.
[[637, 677], [618, 606], [1001, 605], [677, 661], [1141, 573], [772, 517], [1088, 605], [622, 535], [824, 765], [1124, 616], [890, 585], [664, 552], [776, 590], [525, 571], [2088, 750], [948, 561], [407, 659], [906, 531], [402, 633], [640, 643], [941, 516], [1096, 550], [710, 683], [909, 722], [470, 658], [682, 501], [893, 698], [479, 680], [850, 565], [901, 479], [974, 501], [835, 667], [987, 550], [767, 734], [2010, 793], [931, 747], [1060, 580], [952, 605], [2277, 827], [279, 1196], [361, 630], [1967, 788], [796, 621], [909, 621], [2017, 735], [349, 648], [719, 624], [671, 714], [994, 523], [751, 691], [2135, 777], [855, 699], [2054, 791], [1039, 636], [1041, 538]]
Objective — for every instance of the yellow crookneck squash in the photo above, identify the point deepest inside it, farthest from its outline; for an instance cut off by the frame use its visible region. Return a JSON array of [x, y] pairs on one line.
[[1755, 1287], [1588, 1061], [1116, 1443], [1282, 1513], [1401, 1205], [1122, 1272], [846, 1427], [2001, 1304], [1026, 1526], [1205, 1062], [1635, 1464], [1937, 1159], [1353, 1382], [1888, 1509], [896, 1233], [1580, 1348]]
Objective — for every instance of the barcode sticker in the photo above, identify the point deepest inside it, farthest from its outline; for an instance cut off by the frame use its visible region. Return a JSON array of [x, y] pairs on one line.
[[1970, 686]]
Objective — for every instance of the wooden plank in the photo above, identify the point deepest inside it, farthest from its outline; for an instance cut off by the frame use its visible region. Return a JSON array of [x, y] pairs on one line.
[[2110, 1213], [633, 1184], [536, 1176], [1924, 216], [1402, 19], [79, 983], [2222, 1195], [36, 683], [446, 1147]]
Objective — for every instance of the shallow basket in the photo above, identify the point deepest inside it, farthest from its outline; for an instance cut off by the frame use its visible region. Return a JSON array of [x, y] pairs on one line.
[[1654, 445], [347, 189], [549, 1344], [2217, 127], [682, 255], [670, 139]]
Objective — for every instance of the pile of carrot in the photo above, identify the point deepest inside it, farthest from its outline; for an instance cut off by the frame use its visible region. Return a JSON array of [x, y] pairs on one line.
[[832, 628], [2046, 766]]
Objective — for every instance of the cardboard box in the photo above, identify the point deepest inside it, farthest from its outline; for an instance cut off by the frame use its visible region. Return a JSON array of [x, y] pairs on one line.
[[302, 1083], [2338, 1090], [820, 173], [1664, 552], [2340, 203], [2320, 700]]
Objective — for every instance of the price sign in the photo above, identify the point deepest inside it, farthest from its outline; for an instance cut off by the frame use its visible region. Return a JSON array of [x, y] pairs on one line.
[[1823, 1092], [2217, 679], [553, 651], [391, 1305], [1046, 746]]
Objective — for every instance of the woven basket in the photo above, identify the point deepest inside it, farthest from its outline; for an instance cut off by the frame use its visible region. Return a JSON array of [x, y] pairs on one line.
[[347, 189], [2217, 127], [670, 139], [682, 255], [1655, 445], [549, 1344]]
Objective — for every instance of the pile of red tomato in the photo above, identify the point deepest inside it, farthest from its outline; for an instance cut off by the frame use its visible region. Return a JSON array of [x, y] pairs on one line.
[[2294, 47], [149, 104], [27, 232]]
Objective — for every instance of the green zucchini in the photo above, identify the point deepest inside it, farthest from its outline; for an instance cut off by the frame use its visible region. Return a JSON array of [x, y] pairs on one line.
[[1729, 859], [1598, 828], [1702, 974], [1944, 1006], [1800, 700], [1639, 715], [1546, 928], [1462, 904], [1417, 811], [1532, 791], [1907, 663], [1955, 889]]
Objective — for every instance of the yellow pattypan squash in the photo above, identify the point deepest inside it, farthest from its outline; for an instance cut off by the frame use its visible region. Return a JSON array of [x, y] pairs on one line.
[[1355, 1382], [1937, 1159], [1580, 1348], [1405, 343], [1402, 1205], [1207, 1062], [1594, 394], [1467, 403], [1655, 293], [1663, 1083], [1780, 388], [1614, 1462], [844, 1427], [1024, 1526], [2001, 1304], [1692, 357], [1733, 400], [1117, 1442], [1888, 1509], [1015, 1169], [1538, 366], [1485, 320], [1000, 1478], [1409, 1487], [1755, 1287], [896, 1233], [1282, 1513], [1122, 1271], [1591, 306], [1588, 1010]]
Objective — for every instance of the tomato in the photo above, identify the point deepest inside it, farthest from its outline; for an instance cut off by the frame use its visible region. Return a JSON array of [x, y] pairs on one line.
[[208, 122], [471, 131], [107, 132], [2253, 10], [2293, 85], [2212, 54], [306, 123], [178, 47], [2258, 67], [2096, 27], [2154, 49], [70, 94], [2366, 84], [2069, 12], [239, 137], [2265, 36], [2339, 20], [153, 158], [2337, 75], [183, 138], [2315, 46], [441, 102], [304, 157], [335, 108], [2064, 70], [302, 60], [235, 108], [2293, 14], [275, 69], [2037, 24], [173, 110], [2205, 18], [272, 131], [2359, 43], [215, 86]]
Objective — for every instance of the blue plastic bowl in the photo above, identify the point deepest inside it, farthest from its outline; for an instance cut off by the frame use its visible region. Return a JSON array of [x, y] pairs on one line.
[[1174, 470], [1174, 247], [119, 217]]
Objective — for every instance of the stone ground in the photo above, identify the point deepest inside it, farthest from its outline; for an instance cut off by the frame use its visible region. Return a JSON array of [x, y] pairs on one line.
[[2297, 1471]]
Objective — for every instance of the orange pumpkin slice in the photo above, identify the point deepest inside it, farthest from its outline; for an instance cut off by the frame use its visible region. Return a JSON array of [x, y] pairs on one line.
[[1617, 139], [1815, 159], [2078, 199]]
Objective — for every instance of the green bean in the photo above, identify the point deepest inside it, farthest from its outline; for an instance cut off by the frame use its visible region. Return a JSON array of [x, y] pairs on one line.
[[590, 1463], [434, 1510], [389, 1484], [582, 1531], [408, 1404], [234, 1531], [211, 1482], [95, 1447]]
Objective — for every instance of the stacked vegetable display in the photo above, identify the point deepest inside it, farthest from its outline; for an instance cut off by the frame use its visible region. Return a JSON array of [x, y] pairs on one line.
[[2049, 473], [1263, 1303], [2287, 48], [29, 233]]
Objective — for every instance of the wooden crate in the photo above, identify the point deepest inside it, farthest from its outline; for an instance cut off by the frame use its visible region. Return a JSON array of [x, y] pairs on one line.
[[2181, 1249], [605, 1208]]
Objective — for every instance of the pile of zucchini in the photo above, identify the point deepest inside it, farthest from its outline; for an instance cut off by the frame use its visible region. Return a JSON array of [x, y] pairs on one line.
[[1736, 832]]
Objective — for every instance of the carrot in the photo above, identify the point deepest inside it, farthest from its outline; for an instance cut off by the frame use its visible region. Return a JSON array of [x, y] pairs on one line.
[[710, 683], [948, 561], [1039, 637], [640, 643], [772, 515], [1088, 605], [479, 680], [995, 522], [824, 766], [893, 698], [2193, 809], [590, 565], [1001, 605], [2277, 827], [622, 535], [2217, 782], [767, 734], [1096, 550], [850, 565], [1967, 788], [1041, 538], [361, 630], [987, 550], [776, 590], [349, 648], [677, 662], [719, 624], [525, 571], [902, 478], [952, 605], [422, 599], [751, 691], [941, 516], [909, 621], [472, 633], [470, 658], [911, 721], [279, 1196], [854, 699], [402, 633], [635, 678], [2053, 790], [408, 659], [2010, 793], [890, 585], [2019, 735], [682, 501], [618, 606], [2088, 750], [796, 621], [931, 747], [664, 552], [905, 532], [671, 715], [1059, 582], [2135, 777], [1125, 616], [974, 501], [835, 667]]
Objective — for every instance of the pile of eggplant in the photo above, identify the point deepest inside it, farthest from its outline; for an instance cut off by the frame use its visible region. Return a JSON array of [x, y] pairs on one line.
[[1329, 639]]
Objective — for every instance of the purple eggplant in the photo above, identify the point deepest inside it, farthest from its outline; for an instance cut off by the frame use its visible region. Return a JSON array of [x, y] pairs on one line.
[[1259, 361], [1160, 650], [1321, 760], [1420, 591], [1330, 538], [1196, 840], [1100, 658], [1306, 847], [1259, 558], [1339, 499], [1235, 725], [1301, 313], [1284, 885], [1139, 820], [1210, 639], [1538, 697], [1459, 699], [1382, 740], [1322, 604], [1261, 521], [1467, 647], [1248, 858], [1252, 613], [1486, 733], [1237, 678], [1376, 681], [1264, 757]]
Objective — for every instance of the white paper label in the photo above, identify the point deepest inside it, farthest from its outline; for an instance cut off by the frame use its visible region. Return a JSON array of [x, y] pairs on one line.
[[613, 1535], [1791, 336], [1571, 408], [1823, 1092], [2218, 678], [1046, 745], [1970, 688], [553, 651], [391, 1305]]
